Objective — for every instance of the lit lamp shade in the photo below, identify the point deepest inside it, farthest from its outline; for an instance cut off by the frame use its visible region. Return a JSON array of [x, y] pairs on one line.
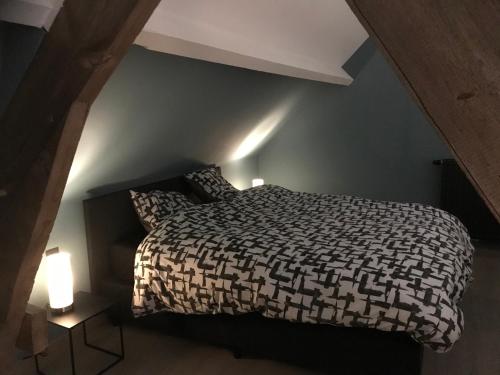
[[257, 182], [59, 281]]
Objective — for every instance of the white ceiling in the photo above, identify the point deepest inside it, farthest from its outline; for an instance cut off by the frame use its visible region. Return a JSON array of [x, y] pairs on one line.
[[37, 13], [305, 38], [309, 39]]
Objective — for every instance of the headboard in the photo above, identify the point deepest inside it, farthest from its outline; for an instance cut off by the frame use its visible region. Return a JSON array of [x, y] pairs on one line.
[[111, 217]]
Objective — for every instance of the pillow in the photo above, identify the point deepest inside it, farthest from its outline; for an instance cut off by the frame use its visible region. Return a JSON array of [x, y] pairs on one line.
[[153, 207], [209, 184]]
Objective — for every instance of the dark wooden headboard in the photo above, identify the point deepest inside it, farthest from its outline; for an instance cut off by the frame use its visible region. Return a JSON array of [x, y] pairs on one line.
[[111, 217]]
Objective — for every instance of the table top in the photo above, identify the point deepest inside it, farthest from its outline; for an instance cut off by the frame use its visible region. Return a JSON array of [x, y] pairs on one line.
[[86, 306]]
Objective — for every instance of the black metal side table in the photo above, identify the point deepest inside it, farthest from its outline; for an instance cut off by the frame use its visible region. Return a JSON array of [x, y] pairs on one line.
[[86, 307]]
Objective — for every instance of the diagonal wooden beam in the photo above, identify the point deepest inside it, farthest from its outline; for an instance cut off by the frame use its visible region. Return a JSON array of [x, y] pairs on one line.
[[39, 133], [76, 57], [448, 54]]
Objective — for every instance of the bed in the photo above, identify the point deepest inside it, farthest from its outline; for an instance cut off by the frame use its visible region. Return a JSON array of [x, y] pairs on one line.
[[286, 292]]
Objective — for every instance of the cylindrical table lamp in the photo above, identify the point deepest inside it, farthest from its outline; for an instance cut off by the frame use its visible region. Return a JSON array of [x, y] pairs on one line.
[[59, 281]]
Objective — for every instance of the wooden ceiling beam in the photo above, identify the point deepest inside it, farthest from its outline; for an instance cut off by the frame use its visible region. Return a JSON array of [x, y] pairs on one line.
[[73, 62], [447, 52], [39, 134]]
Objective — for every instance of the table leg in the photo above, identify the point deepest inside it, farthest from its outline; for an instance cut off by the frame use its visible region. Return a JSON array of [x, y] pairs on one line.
[[85, 333], [37, 365], [121, 340], [119, 356], [72, 354]]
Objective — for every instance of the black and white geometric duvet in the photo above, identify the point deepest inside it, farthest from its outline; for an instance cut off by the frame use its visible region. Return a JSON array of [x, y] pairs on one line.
[[314, 258]]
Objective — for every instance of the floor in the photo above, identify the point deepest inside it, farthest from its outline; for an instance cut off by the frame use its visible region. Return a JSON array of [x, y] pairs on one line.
[[477, 353]]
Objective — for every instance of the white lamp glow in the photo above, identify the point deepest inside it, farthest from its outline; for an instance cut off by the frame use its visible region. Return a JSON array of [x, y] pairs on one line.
[[257, 182], [59, 281]]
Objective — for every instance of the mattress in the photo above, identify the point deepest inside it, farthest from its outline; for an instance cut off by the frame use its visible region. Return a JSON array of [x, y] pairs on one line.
[[315, 258]]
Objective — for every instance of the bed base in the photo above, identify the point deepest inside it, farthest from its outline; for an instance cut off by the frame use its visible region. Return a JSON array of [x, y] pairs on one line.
[[336, 350], [325, 348]]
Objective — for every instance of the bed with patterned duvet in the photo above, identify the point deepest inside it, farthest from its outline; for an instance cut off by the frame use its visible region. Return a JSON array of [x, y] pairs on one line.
[[313, 258]]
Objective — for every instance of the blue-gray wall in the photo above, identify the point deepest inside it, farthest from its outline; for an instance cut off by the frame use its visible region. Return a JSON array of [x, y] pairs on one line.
[[18, 45], [160, 115], [369, 139]]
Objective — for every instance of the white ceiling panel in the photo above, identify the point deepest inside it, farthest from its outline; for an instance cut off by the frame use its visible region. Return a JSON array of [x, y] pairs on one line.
[[305, 38]]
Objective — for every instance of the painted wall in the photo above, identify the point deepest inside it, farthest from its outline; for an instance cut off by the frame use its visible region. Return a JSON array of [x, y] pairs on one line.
[[369, 139], [18, 45], [160, 115]]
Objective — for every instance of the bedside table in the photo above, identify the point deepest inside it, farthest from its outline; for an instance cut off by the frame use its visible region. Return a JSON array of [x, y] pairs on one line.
[[86, 307]]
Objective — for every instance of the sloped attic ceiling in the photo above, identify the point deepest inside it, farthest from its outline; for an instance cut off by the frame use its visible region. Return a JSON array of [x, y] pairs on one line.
[[304, 39], [37, 13]]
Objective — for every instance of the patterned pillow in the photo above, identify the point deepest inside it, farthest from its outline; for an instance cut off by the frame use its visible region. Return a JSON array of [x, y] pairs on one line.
[[210, 185], [153, 207]]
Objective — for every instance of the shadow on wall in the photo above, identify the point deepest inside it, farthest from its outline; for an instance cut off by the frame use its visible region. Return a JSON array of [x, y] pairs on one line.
[[177, 168], [239, 172]]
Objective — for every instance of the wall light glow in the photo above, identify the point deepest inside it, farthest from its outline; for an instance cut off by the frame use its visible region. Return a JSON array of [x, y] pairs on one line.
[[263, 130], [77, 167], [96, 138]]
